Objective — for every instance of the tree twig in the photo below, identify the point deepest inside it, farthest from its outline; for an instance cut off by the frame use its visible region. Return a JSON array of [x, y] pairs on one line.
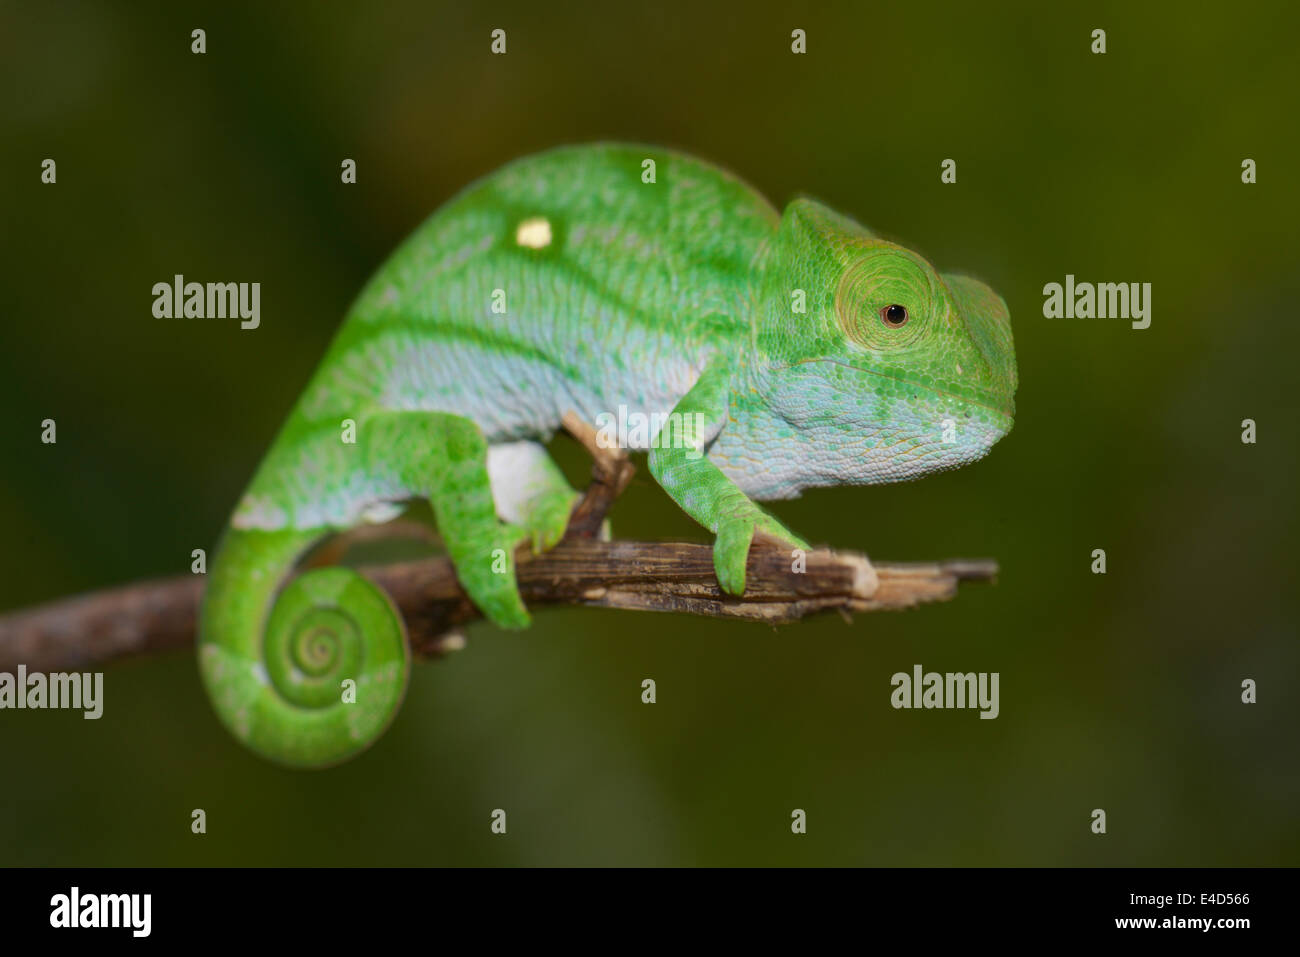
[[781, 586]]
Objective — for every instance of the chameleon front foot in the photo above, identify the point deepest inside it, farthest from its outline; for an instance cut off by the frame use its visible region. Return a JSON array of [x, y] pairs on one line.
[[736, 533]]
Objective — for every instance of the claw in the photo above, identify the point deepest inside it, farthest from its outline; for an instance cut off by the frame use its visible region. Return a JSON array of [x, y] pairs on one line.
[[730, 552]]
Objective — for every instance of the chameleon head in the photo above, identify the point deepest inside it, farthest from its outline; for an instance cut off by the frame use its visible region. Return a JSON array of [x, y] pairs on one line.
[[898, 371]]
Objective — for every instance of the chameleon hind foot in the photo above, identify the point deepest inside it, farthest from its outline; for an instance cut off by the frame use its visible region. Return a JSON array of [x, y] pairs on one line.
[[485, 566], [547, 520], [529, 489], [444, 457]]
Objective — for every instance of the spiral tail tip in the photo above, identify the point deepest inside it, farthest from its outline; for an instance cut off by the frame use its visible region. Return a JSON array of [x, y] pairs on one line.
[[322, 681]]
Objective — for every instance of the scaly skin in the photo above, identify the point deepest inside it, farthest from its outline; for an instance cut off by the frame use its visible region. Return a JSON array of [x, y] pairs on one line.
[[672, 296]]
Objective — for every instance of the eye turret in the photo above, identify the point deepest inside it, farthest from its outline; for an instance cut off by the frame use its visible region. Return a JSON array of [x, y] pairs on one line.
[[886, 297]]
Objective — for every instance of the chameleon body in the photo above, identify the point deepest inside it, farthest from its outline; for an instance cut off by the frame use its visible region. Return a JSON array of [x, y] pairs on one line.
[[798, 349]]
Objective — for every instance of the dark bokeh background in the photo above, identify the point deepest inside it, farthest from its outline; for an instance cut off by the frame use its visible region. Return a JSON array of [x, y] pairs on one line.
[[1119, 691]]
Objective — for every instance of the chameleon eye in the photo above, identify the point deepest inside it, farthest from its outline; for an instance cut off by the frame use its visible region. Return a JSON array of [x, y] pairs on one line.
[[879, 291], [893, 316]]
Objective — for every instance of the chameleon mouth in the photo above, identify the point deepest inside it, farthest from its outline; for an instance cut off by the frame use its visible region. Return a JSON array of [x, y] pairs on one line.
[[1002, 419], [1000, 411]]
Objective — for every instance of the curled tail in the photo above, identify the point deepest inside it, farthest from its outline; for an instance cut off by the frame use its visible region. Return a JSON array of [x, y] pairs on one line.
[[275, 660]]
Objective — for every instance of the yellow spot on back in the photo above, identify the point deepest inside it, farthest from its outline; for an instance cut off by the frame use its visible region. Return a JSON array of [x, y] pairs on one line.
[[534, 233]]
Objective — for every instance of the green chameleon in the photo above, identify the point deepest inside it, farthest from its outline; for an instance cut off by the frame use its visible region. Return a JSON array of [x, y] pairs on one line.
[[795, 349]]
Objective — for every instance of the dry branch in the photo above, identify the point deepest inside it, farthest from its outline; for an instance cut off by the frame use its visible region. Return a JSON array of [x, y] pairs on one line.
[[668, 576]]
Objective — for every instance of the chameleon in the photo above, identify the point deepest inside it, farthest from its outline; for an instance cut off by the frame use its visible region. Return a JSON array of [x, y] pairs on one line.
[[776, 351]]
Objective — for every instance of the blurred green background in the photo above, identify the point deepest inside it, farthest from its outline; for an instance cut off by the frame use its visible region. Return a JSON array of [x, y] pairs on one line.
[[1119, 691]]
